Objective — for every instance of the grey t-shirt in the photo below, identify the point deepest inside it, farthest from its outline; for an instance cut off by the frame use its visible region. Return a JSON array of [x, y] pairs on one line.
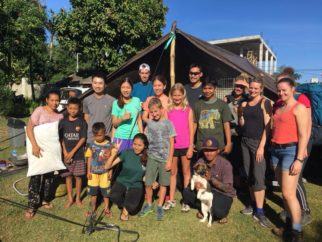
[[159, 134], [193, 94], [99, 110]]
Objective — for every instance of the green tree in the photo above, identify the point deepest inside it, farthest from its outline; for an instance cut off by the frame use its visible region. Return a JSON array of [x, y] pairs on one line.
[[108, 32], [22, 40]]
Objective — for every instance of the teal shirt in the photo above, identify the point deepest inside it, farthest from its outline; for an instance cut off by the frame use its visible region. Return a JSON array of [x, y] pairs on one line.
[[128, 128], [132, 171]]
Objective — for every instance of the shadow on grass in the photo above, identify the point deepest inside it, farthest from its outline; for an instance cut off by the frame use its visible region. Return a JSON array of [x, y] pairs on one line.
[[315, 232]]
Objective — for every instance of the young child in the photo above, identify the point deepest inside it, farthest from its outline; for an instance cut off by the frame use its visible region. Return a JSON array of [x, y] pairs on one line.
[[212, 118], [73, 130], [98, 153], [160, 133], [181, 116]]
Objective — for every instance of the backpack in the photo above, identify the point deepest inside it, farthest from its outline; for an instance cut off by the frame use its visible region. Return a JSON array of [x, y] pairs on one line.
[[314, 92]]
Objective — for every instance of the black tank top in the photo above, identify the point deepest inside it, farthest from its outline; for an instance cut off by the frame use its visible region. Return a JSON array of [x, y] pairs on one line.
[[254, 121]]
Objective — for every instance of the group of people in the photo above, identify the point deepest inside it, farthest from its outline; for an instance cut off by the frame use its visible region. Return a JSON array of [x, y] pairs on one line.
[[130, 147]]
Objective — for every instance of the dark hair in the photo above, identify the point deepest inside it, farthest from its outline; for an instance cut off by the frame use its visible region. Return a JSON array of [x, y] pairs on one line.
[[287, 76], [74, 100], [213, 83], [258, 79], [99, 74], [120, 100], [195, 65], [144, 157], [161, 79], [98, 127], [155, 102], [52, 92]]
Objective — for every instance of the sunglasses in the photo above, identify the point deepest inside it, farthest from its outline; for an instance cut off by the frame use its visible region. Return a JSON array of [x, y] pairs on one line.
[[239, 86], [194, 73]]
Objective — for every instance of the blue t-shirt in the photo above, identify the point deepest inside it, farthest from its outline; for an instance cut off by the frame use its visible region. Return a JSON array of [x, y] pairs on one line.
[[128, 128], [159, 134], [143, 90], [100, 152]]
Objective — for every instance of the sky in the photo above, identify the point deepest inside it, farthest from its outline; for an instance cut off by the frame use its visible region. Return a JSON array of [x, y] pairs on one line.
[[292, 28]]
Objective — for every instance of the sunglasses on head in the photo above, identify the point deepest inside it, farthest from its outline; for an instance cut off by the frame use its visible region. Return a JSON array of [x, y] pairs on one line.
[[194, 73]]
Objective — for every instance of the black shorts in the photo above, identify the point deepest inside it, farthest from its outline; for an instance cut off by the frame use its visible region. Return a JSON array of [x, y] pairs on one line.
[[180, 152]]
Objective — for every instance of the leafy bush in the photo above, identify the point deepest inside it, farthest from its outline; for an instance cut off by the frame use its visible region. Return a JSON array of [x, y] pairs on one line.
[[14, 106]]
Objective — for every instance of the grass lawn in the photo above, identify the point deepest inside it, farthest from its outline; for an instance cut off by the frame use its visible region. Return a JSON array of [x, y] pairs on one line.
[[175, 227]]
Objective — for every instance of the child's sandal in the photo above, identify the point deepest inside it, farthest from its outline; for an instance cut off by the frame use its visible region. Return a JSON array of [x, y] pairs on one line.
[[108, 213]]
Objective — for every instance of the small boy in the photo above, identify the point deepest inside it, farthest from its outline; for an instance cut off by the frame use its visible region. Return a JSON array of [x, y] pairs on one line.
[[73, 131], [160, 133], [98, 153]]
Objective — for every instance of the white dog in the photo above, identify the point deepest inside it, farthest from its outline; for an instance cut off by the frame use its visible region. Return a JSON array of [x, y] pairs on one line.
[[204, 194]]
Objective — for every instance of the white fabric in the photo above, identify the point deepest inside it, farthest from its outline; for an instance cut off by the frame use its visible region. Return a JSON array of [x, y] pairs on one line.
[[47, 138]]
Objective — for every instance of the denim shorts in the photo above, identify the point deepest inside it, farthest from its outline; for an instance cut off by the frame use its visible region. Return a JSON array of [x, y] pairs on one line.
[[283, 157]]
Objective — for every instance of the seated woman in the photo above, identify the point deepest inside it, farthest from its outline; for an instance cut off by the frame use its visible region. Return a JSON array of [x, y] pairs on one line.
[[220, 178], [127, 191]]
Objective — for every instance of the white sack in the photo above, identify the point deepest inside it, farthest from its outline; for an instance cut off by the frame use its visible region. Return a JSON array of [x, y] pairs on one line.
[[47, 139]]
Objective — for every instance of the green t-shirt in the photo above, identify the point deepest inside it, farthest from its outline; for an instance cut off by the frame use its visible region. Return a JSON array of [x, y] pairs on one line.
[[210, 117], [126, 128], [132, 171]]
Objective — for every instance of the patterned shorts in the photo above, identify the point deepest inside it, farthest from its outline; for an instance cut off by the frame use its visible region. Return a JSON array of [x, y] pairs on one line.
[[76, 168]]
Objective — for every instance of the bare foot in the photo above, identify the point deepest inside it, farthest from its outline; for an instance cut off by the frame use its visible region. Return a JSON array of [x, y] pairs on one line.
[[69, 204], [79, 203]]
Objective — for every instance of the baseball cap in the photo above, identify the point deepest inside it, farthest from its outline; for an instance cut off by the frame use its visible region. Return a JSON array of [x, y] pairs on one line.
[[144, 66], [210, 144]]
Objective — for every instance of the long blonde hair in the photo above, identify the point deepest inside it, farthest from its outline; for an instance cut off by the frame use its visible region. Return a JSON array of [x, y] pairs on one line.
[[178, 86]]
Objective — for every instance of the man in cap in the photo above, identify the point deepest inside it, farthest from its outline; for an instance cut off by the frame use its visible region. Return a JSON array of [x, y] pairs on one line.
[[220, 178], [143, 88]]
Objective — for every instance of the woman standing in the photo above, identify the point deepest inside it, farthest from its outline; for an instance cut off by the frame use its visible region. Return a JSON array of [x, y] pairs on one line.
[[254, 118], [40, 186], [159, 85], [289, 142], [126, 117]]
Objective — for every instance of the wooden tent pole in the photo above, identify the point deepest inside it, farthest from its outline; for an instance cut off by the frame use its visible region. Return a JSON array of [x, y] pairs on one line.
[[173, 55]]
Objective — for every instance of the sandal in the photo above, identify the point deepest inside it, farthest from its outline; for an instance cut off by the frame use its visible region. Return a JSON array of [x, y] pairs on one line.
[[223, 220], [108, 213], [89, 214], [29, 214], [47, 205], [199, 215], [124, 217]]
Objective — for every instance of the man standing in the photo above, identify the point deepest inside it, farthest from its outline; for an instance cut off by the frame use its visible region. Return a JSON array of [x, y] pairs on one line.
[[194, 88], [98, 106], [220, 178], [143, 88]]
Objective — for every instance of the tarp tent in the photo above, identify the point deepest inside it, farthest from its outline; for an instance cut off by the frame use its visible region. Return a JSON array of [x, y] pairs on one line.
[[217, 63]]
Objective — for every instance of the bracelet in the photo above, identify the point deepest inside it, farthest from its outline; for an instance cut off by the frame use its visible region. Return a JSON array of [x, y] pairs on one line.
[[299, 160]]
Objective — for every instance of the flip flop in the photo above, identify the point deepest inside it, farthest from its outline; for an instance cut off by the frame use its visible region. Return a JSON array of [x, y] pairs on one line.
[[108, 213], [47, 205], [124, 217], [29, 214], [223, 220]]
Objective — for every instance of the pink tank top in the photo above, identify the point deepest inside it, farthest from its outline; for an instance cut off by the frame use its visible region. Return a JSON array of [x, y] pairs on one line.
[[285, 127], [180, 121]]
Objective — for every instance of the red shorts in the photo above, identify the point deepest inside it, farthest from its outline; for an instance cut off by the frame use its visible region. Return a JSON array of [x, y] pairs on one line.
[[76, 168]]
